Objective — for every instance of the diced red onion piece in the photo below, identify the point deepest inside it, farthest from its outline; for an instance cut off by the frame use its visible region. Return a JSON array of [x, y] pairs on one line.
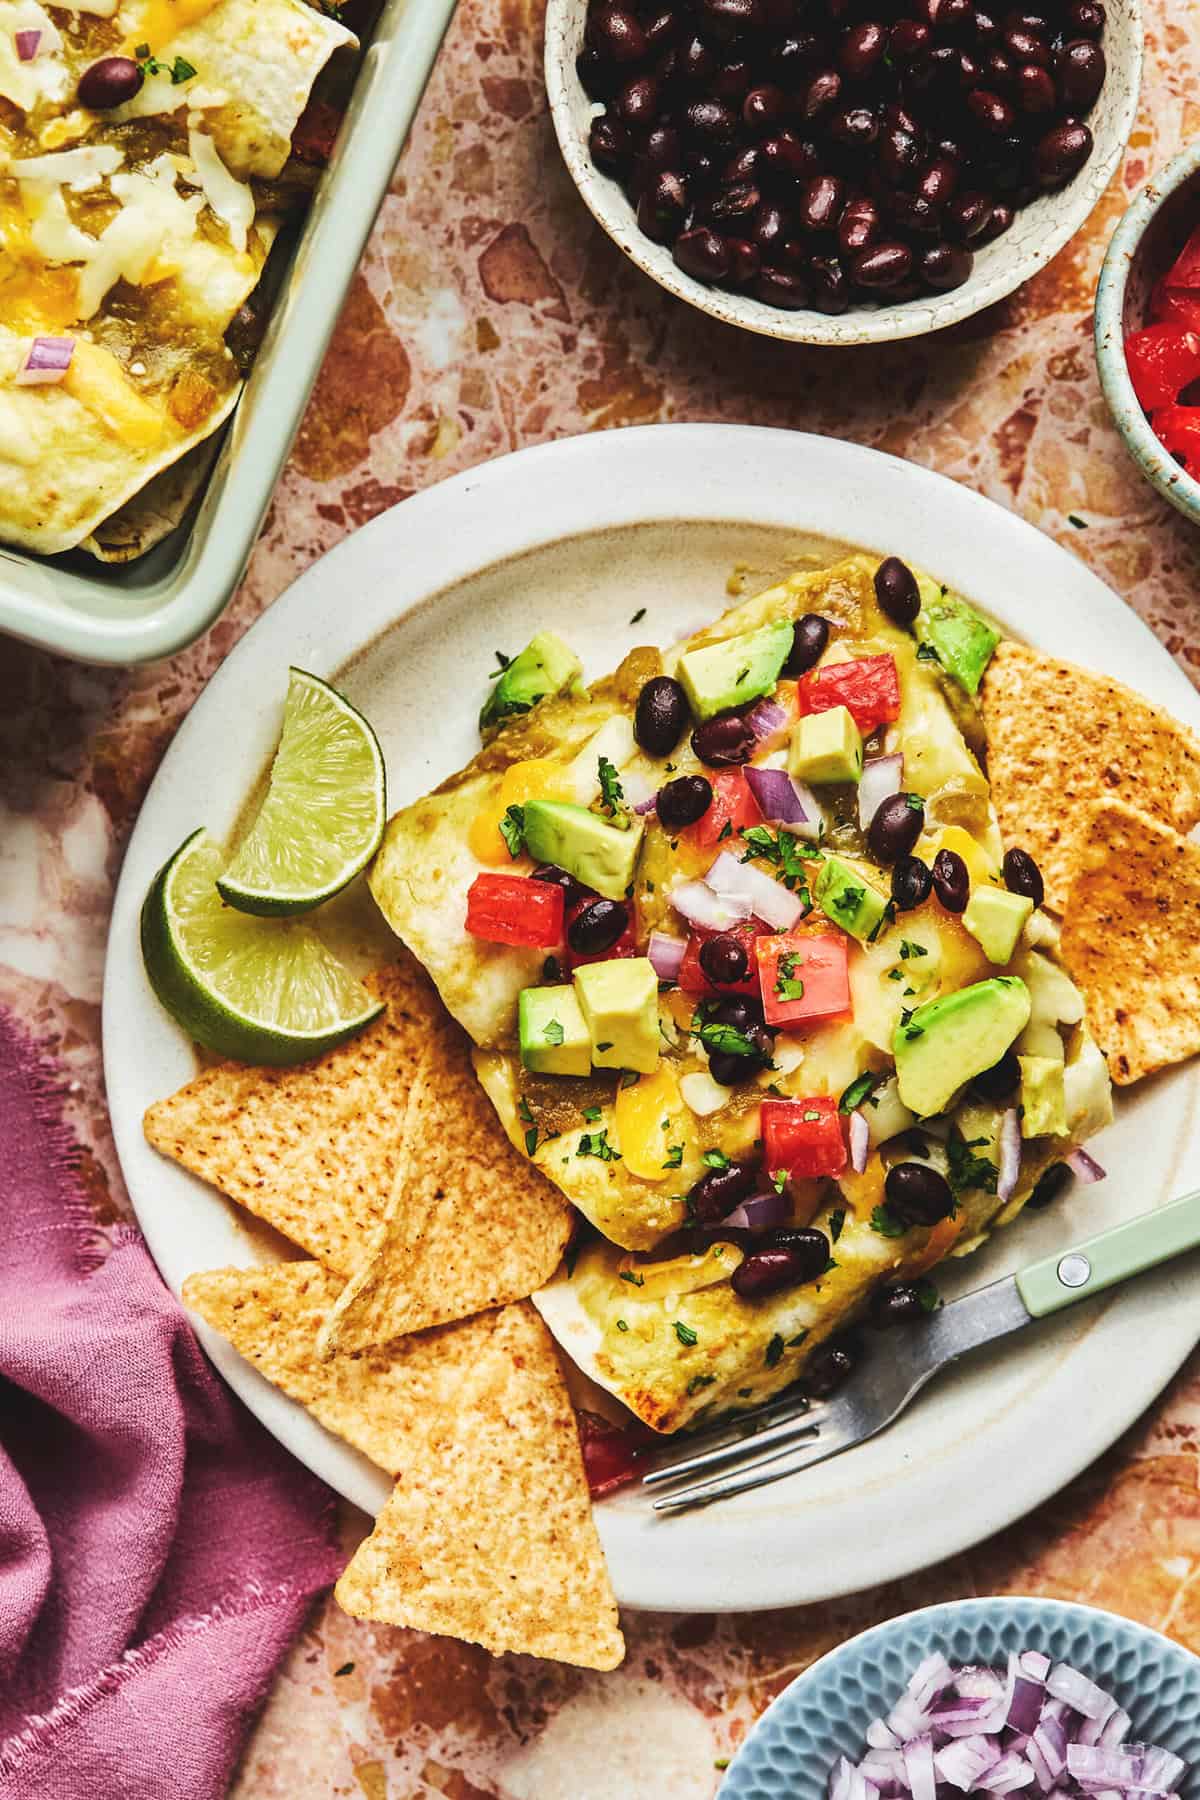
[[881, 778], [841, 1779], [48, 360], [880, 1736], [962, 1763], [760, 1212], [705, 910], [27, 44], [641, 795], [977, 1683], [1161, 1770], [779, 799], [647, 806], [1006, 1776], [1066, 1683], [1116, 1730], [766, 719], [885, 1767], [1091, 1730], [768, 899], [1093, 1766], [1050, 1743], [860, 1142], [1034, 1664], [666, 953], [1010, 1154], [1041, 1769], [918, 1766], [1085, 1168]]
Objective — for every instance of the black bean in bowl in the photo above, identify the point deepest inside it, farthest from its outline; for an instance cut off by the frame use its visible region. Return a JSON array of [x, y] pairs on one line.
[[840, 154]]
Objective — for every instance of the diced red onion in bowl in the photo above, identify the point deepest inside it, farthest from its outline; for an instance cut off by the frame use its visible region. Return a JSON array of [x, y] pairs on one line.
[[701, 907], [881, 778], [768, 899], [1037, 1730], [666, 954], [1085, 1168], [1010, 1154], [860, 1142]]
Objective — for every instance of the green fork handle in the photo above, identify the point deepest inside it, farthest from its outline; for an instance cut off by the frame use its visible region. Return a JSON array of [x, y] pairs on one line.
[[1100, 1262]]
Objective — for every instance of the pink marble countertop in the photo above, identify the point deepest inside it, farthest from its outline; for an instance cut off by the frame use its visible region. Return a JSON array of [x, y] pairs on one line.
[[492, 313]]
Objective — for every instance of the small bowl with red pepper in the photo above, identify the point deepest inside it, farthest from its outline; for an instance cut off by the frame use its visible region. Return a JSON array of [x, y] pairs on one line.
[[1148, 331], [846, 173]]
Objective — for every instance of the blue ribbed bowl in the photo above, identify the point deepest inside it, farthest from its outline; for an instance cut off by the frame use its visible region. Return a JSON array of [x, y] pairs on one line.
[[825, 1712]]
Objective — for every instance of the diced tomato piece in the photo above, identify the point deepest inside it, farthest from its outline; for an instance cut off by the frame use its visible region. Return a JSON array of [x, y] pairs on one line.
[[1177, 429], [733, 805], [815, 964], [612, 1454], [1175, 306], [803, 1137], [692, 978], [1161, 360], [626, 944], [869, 689], [1185, 270], [514, 909]]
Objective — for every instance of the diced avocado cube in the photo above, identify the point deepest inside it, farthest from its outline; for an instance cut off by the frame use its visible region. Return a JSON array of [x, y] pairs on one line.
[[620, 1004], [995, 919], [826, 746], [739, 670], [947, 1042], [850, 900], [1043, 1097], [600, 855], [553, 1032], [545, 666], [962, 639]]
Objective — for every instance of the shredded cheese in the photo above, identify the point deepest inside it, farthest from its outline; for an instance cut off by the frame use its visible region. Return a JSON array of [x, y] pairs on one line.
[[231, 200]]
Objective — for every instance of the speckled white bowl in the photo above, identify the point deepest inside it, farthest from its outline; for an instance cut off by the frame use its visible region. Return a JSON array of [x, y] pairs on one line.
[[1037, 233]]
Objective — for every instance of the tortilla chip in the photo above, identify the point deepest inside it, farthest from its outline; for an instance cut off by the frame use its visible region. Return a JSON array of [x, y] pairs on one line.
[[370, 1397], [1062, 738], [1131, 939], [314, 1150], [489, 1534], [471, 1224]]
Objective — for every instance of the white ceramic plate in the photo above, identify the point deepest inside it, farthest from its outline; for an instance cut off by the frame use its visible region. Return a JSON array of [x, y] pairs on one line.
[[579, 536]]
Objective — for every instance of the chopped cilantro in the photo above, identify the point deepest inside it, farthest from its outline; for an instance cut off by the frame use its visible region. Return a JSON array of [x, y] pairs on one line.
[[531, 1138], [180, 70], [848, 901], [346, 1669], [595, 1143], [886, 1223], [831, 1264], [1075, 520], [551, 969], [784, 851], [629, 1078], [966, 1170], [633, 1278], [512, 829], [611, 792], [811, 1116], [722, 1762], [674, 1156], [927, 1294], [591, 1114], [927, 653], [571, 1257], [788, 985], [684, 1333], [741, 675], [886, 917], [607, 1045], [622, 1325], [523, 1111], [909, 949], [726, 830], [553, 1033], [795, 1342], [715, 1159], [744, 1393], [837, 1219], [638, 616], [774, 1351], [714, 1035], [779, 1180], [895, 975], [859, 1089], [699, 1381]]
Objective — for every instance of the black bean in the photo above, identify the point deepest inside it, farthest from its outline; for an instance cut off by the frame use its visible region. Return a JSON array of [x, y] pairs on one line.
[[829, 1366], [998, 1082], [663, 148], [728, 1069], [883, 265], [899, 1304], [661, 715], [819, 96], [718, 1191], [899, 154], [573, 891], [896, 590], [955, 20], [780, 287], [820, 203], [739, 1010], [710, 122], [735, 206], [908, 40], [786, 158], [724, 741], [1079, 70], [701, 254], [637, 103], [829, 284], [810, 635], [912, 883], [990, 111], [1022, 875], [617, 34], [764, 107], [110, 82], [917, 1194], [913, 214], [1001, 219], [859, 224], [609, 146], [946, 266], [967, 215], [660, 214], [682, 801], [856, 127], [697, 64], [951, 881], [787, 1260], [1051, 1183], [1085, 18], [597, 926], [895, 826], [733, 81], [660, 29], [729, 20], [1061, 153], [862, 50], [724, 960], [744, 261]]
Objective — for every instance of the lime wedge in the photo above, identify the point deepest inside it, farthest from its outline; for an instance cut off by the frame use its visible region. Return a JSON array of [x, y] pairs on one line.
[[257, 990], [324, 811]]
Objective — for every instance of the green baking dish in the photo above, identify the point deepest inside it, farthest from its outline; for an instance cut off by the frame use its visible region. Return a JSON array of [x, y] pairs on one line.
[[154, 606]]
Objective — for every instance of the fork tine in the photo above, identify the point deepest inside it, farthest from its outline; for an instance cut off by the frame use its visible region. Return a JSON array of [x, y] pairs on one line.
[[787, 1430], [738, 1431], [759, 1471]]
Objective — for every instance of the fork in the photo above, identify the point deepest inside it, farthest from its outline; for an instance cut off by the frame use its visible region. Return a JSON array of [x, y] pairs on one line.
[[792, 1433]]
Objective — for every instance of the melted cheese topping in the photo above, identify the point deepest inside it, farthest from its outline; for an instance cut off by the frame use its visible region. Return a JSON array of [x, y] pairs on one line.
[[231, 200]]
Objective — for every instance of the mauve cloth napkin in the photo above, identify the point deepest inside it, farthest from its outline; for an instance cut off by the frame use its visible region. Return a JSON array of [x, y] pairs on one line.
[[158, 1551]]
